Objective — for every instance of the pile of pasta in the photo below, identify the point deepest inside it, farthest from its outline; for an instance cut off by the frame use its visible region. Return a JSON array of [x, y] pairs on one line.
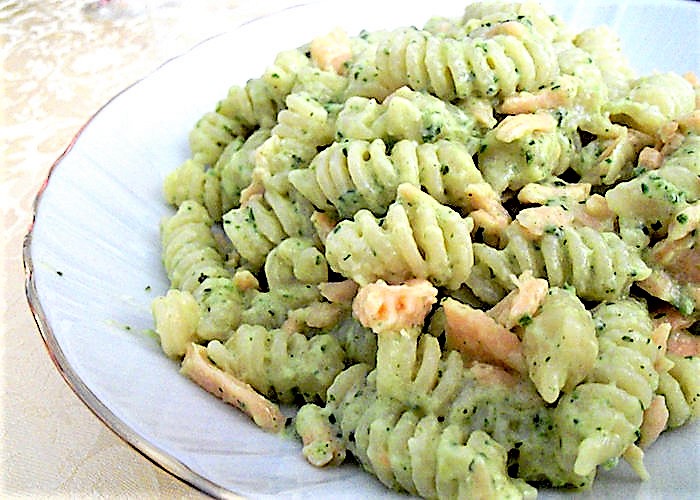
[[466, 253]]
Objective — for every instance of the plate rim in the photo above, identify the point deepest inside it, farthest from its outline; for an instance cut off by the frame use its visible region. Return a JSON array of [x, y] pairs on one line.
[[161, 459]]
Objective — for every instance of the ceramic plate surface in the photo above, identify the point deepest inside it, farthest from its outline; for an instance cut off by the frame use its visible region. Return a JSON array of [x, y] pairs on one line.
[[93, 255]]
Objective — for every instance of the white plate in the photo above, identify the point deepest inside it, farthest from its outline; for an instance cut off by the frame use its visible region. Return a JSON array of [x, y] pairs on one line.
[[93, 256]]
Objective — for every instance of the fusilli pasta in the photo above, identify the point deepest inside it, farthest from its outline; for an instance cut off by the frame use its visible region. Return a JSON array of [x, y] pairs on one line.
[[282, 365], [600, 418], [352, 175], [598, 265], [559, 344], [419, 237], [467, 253], [406, 114], [266, 219], [195, 266], [449, 68]]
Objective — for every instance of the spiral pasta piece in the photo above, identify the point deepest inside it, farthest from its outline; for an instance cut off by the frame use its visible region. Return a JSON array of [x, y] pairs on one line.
[[176, 316], [235, 167], [415, 371], [194, 181], [347, 397], [211, 134], [600, 266], [302, 128], [627, 351], [254, 104], [194, 266], [246, 107], [404, 448], [559, 344], [681, 389], [604, 46], [597, 422], [600, 419], [281, 365], [418, 238], [362, 69], [583, 78], [265, 220], [357, 174], [652, 101], [498, 65], [523, 149], [647, 204], [190, 254], [218, 188], [406, 114]]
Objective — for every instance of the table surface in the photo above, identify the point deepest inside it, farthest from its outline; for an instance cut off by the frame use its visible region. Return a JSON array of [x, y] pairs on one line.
[[59, 62]]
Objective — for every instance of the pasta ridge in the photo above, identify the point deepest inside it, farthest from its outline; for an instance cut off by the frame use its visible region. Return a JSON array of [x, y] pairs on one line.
[[406, 449], [413, 370], [267, 218], [357, 174], [195, 267], [302, 127], [450, 68], [246, 108], [600, 419], [406, 114], [284, 366], [419, 237], [600, 266], [193, 180], [680, 389], [235, 167]]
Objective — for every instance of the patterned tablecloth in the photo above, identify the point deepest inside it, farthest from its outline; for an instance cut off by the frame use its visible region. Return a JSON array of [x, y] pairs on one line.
[[60, 61]]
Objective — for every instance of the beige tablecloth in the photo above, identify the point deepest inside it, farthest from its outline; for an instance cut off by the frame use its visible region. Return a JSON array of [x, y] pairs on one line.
[[60, 61]]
